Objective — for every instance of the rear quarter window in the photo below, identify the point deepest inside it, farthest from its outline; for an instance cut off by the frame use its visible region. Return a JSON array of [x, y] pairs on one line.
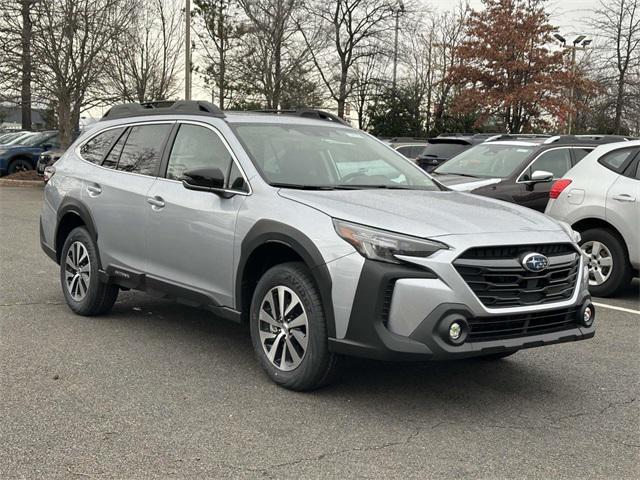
[[95, 149], [617, 160]]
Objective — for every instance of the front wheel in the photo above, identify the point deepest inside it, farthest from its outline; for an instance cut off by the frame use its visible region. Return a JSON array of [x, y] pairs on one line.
[[609, 268], [289, 329], [20, 165], [79, 264]]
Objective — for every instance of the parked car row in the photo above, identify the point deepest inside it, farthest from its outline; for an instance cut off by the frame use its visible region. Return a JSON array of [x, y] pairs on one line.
[[23, 154]]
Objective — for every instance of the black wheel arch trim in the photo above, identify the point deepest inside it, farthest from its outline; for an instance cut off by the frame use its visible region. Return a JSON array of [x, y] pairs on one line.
[[271, 231], [76, 207]]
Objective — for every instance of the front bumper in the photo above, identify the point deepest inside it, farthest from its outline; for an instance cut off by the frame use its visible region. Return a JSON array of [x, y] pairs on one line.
[[400, 311]]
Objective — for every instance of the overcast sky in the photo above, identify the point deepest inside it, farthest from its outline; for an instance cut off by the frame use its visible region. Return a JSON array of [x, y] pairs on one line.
[[570, 16]]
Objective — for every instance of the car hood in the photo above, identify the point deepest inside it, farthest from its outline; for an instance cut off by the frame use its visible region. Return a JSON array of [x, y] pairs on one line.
[[424, 213], [461, 183]]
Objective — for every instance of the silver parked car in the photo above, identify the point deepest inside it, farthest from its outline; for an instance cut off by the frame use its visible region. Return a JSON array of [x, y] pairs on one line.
[[324, 239], [600, 198]]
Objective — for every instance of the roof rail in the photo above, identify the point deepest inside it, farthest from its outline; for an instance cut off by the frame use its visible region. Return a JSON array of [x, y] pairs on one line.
[[407, 139], [307, 113], [164, 107], [586, 139], [518, 136]]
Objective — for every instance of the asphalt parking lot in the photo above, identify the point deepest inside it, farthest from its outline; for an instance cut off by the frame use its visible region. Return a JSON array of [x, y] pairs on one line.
[[160, 390]]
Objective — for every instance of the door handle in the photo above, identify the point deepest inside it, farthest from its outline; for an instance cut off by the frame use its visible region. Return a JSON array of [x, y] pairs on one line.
[[624, 197], [94, 190], [156, 202]]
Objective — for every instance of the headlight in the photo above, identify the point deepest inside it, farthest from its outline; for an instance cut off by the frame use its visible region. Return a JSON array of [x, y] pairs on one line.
[[384, 246]]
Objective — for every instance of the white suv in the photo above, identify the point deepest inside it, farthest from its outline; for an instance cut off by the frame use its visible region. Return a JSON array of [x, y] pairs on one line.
[[600, 198]]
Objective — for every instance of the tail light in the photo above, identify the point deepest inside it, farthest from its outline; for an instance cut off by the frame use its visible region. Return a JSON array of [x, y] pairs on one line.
[[48, 173], [558, 186]]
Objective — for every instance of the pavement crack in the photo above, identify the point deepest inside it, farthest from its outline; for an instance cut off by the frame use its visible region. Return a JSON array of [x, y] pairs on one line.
[[21, 304], [405, 441]]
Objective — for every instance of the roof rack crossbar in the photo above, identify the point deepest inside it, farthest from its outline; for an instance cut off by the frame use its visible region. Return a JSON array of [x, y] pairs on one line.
[[164, 107]]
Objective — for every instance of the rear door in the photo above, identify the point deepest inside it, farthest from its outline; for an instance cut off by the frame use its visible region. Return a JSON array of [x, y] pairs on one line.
[[536, 195], [116, 193], [190, 234], [623, 206]]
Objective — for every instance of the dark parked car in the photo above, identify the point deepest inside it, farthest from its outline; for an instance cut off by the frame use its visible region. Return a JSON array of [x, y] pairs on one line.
[[446, 146], [17, 158], [410, 147], [47, 159], [518, 171]]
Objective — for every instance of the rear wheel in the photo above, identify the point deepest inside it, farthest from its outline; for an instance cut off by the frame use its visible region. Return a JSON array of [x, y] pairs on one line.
[[79, 264], [289, 330], [20, 165], [609, 268]]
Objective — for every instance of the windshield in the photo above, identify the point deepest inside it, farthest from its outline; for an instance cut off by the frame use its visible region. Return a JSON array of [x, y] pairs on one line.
[[443, 150], [37, 139], [311, 156], [486, 160]]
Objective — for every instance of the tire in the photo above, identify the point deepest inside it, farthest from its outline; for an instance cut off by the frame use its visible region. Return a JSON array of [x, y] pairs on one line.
[[19, 165], [603, 246], [84, 292], [497, 356], [315, 365]]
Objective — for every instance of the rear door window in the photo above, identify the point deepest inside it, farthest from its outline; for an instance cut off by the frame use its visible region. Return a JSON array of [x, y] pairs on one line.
[[143, 149], [95, 149], [580, 153]]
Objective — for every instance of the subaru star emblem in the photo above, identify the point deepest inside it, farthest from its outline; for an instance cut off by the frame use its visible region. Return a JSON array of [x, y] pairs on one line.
[[535, 262]]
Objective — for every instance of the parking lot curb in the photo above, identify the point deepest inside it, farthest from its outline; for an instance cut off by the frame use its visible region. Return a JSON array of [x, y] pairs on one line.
[[7, 182]]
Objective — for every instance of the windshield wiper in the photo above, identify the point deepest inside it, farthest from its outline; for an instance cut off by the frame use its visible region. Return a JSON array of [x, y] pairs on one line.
[[459, 174], [297, 186], [387, 187]]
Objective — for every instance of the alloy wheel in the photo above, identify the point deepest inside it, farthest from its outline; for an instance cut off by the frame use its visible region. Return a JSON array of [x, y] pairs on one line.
[[77, 271], [600, 262], [283, 328]]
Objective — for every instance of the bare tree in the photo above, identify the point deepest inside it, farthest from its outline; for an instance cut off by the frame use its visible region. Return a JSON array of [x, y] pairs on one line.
[[618, 24], [16, 34], [147, 60], [449, 34], [345, 32], [368, 83], [272, 27], [220, 30], [75, 40]]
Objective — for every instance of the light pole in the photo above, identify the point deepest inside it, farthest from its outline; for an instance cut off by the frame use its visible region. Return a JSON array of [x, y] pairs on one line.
[[398, 11], [580, 43], [187, 50]]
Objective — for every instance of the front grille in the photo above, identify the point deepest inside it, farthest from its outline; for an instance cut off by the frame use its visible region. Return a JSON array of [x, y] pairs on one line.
[[497, 277], [484, 329]]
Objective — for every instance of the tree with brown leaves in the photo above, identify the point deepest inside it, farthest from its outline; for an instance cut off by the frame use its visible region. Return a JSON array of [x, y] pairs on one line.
[[510, 74]]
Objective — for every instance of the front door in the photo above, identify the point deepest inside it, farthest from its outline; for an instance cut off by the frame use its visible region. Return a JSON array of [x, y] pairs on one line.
[[190, 233], [536, 195]]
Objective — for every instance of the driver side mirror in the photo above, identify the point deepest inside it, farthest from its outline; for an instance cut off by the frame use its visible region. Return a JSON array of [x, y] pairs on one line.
[[203, 179], [541, 176]]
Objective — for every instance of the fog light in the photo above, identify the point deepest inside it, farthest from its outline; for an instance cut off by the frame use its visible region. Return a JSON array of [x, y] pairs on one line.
[[587, 316], [455, 330]]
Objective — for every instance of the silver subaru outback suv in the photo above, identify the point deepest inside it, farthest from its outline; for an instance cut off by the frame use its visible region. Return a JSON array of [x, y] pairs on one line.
[[325, 240]]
